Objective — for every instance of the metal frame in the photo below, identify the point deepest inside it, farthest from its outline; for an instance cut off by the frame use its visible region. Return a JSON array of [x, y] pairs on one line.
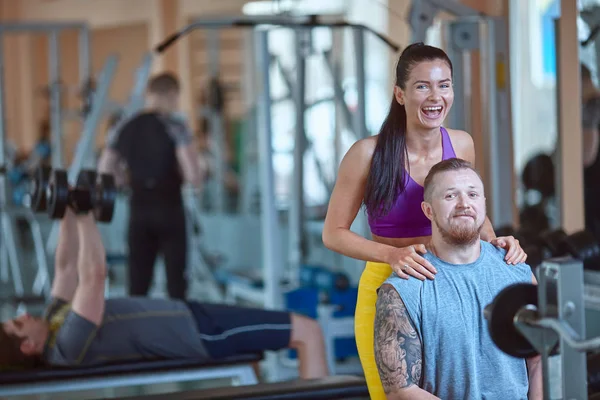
[[423, 12], [241, 374], [54, 30], [271, 255], [591, 16], [134, 104], [334, 69], [56, 117], [216, 122], [567, 306], [559, 319], [296, 211], [136, 98], [199, 259], [489, 38], [85, 145], [8, 249], [9, 259]]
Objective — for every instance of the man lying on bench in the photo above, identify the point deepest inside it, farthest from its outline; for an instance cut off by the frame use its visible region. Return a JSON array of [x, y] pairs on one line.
[[81, 328]]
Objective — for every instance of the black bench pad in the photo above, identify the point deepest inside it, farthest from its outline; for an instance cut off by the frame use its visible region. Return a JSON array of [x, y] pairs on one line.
[[333, 387], [56, 373]]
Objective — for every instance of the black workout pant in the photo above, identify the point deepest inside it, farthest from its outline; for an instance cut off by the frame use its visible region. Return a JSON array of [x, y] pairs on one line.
[[229, 330], [154, 230]]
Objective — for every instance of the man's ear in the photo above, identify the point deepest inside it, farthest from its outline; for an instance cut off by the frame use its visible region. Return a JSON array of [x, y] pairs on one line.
[[427, 210], [399, 95]]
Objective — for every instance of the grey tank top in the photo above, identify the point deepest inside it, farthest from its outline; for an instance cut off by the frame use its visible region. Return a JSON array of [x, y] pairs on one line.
[[133, 329], [460, 361]]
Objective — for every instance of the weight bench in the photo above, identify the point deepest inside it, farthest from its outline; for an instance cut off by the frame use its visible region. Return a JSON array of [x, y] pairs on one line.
[[55, 380], [333, 387]]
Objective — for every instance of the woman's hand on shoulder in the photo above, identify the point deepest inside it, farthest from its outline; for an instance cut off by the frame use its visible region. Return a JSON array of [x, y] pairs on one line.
[[463, 144], [514, 252], [408, 261]]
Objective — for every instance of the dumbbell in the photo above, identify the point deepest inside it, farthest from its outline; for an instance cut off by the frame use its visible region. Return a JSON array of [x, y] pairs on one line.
[[37, 189], [581, 245], [555, 242], [50, 192]]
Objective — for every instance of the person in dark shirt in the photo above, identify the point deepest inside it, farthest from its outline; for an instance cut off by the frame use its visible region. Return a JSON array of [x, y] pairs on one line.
[[157, 149], [82, 328]]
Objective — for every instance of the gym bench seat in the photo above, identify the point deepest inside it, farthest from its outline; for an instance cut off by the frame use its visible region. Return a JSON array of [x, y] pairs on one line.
[[333, 387], [56, 380]]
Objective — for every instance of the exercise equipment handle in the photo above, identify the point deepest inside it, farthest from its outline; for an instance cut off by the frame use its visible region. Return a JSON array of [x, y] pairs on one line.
[[594, 32], [168, 42], [563, 329], [299, 22]]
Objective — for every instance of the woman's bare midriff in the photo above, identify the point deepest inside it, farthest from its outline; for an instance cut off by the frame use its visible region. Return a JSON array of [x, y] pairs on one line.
[[401, 242]]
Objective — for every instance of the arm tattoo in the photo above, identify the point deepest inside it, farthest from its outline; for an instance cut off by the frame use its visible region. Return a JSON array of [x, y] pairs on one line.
[[397, 345]]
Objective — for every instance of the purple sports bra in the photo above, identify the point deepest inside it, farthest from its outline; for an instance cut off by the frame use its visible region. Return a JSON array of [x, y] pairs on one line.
[[406, 219]]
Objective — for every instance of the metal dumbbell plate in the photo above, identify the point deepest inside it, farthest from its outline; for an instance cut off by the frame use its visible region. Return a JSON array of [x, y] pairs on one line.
[[105, 196], [84, 193], [86, 179], [57, 194], [37, 189], [501, 314]]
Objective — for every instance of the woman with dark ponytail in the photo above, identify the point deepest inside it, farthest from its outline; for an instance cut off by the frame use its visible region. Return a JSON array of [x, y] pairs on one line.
[[385, 173]]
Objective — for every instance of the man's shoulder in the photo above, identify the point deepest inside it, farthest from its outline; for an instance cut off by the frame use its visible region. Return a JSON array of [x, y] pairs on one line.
[[409, 288], [54, 306], [70, 337], [494, 257], [492, 252]]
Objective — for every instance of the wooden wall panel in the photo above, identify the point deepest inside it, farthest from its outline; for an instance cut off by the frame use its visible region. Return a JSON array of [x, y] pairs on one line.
[[127, 42]]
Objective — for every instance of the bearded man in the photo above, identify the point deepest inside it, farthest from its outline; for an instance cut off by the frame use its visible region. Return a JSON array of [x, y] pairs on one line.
[[431, 336]]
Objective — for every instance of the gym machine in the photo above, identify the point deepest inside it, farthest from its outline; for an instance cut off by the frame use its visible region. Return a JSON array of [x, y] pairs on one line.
[[96, 114], [202, 262], [53, 30], [526, 320], [270, 297], [214, 110], [591, 16], [100, 99], [268, 291], [468, 36], [85, 145], [9, 258], [423, 12]]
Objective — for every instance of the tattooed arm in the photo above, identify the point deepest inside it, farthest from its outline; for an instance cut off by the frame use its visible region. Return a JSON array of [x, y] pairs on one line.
[[397, 348]]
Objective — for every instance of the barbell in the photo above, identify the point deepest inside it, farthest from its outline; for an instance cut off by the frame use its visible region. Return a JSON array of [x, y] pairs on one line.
[[517, 304]]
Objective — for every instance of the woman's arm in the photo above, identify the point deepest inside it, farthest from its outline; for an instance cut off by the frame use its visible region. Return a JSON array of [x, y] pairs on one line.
[[487, 231], [344, 204]]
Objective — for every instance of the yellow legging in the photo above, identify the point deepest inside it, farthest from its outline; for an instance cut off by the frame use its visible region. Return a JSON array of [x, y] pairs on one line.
[[364, 323]]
